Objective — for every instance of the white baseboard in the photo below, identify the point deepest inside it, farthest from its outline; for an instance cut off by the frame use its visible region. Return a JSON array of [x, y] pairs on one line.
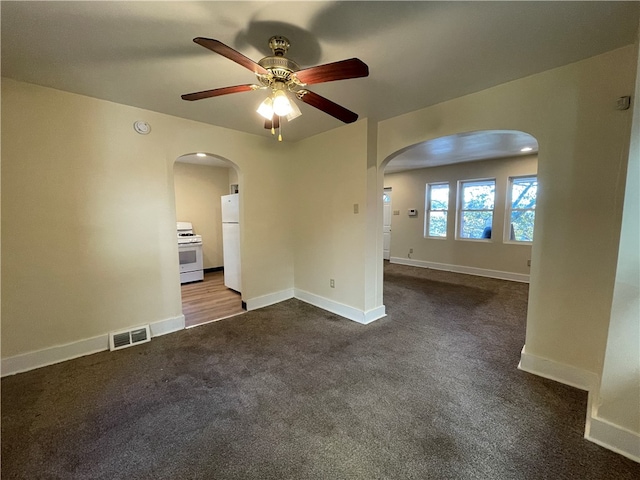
[[597, 430], [346, 311], [60, 353], [48, 356], [341, 309], [560, 372], [374, 314], [481, 272], [269, 299], [169, 325], [613, 437]]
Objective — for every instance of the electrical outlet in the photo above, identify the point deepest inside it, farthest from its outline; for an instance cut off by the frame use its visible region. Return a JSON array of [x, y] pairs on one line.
[[396, 212], [528, 263], [356, 208], [411, 250], [332, 283]]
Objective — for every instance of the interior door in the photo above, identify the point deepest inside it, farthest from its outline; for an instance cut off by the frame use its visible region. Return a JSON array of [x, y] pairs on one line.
[[386, 224]]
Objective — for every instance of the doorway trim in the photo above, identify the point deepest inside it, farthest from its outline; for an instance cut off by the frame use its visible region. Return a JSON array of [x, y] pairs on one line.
[[387, 213]]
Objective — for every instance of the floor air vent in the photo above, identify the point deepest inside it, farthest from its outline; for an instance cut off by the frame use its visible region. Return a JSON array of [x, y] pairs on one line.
[[128, 338]]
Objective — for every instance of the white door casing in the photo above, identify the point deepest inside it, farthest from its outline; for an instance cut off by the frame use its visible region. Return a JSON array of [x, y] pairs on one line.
[[386, 224]]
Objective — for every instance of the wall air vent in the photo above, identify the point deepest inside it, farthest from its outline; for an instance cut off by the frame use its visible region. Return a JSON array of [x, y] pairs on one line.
[[128, 338]]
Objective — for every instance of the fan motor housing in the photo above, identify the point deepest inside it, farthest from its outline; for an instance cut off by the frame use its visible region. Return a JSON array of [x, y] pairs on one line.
[[280, 69]]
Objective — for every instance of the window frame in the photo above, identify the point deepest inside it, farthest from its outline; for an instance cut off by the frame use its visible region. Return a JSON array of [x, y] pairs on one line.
[[460, 210], [509, 209], [428, 210]]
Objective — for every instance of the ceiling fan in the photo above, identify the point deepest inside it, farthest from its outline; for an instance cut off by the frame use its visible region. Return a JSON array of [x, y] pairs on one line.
[[281, 76]]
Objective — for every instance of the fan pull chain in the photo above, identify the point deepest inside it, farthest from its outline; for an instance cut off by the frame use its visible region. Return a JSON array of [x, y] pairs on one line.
[[280, 130]]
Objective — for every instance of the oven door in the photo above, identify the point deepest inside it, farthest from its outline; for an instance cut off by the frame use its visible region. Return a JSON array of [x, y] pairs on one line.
[[190, 257]]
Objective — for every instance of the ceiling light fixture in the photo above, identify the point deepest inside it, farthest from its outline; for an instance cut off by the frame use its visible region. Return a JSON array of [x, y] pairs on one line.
[[295, 112], [266, 108], [526, 149], [283, 78], [278, 105], [281, 104]]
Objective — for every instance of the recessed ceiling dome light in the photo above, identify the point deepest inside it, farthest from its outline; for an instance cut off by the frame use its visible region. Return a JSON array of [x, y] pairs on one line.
[[201, 154], [526, 149]]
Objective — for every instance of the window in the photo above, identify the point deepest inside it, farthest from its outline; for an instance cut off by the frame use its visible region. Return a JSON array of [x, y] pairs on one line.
[[477, 199], [437, 210], [521, 211]]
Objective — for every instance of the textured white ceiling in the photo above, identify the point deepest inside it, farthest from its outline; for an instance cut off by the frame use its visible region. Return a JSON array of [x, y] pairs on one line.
[[419, 53]]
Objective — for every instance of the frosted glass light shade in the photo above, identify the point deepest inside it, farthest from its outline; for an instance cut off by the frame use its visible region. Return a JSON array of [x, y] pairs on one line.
[[281, 104], [266, 108], [295, 112]]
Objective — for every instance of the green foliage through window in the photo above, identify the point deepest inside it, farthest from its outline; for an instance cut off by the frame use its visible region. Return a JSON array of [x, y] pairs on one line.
[[437, 209], [476, 213], [476, 203], [522, 213]]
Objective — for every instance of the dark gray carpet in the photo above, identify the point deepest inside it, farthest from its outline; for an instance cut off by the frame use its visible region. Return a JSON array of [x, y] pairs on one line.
[[293, 392]]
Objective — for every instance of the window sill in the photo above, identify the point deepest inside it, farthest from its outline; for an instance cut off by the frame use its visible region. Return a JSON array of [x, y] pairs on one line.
[[477, 240]]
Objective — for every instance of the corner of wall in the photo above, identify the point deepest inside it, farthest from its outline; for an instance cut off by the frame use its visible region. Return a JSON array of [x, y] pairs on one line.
[[560, 372], [611, 436], [597, 430]]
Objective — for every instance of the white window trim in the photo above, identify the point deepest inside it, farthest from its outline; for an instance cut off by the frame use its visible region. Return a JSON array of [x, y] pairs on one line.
[[459, 210], [508, 210], [427, 210]]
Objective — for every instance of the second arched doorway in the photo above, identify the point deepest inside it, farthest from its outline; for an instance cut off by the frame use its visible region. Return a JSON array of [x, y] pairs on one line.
[[204, 185], [465, 203]]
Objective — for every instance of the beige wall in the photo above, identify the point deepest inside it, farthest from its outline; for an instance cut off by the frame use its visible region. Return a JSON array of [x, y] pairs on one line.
[[96, 201], [329, 237], [619, 401], [583, 142], [198, 192], [408, 191]]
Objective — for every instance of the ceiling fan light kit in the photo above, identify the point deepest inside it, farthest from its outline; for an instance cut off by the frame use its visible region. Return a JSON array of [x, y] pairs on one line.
[[266, 108], [282, 75], [281, 104], [294, 113]]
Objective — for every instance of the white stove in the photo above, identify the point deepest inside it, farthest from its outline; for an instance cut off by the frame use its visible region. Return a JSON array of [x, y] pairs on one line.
[[187, 239], [190, 253], [186, 235]]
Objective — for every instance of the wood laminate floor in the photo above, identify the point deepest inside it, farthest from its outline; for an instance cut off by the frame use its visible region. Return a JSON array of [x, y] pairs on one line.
[[209, 300]]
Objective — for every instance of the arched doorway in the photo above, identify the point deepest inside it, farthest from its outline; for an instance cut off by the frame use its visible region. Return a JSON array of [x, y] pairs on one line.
[[201, 181], [465, 203]]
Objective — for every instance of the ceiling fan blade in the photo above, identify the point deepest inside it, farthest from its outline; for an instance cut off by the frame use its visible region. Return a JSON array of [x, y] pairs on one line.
[[327, 106], [216, 92], [352, 68], [273, 123], [231, 54]]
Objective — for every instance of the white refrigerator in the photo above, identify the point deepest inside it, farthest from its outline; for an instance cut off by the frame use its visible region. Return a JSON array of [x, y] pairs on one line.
[[231, 240]]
